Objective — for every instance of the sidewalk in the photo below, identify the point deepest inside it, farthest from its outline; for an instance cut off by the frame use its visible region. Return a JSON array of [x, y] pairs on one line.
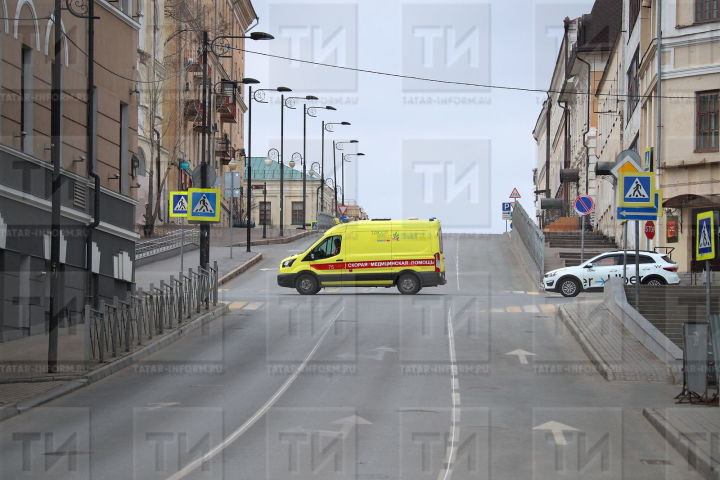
[[694, 431], [23, 362], [220, 236], [154, 272]]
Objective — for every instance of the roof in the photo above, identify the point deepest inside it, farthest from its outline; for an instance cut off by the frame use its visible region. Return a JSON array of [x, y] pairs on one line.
[[598, 29], [262, 172]]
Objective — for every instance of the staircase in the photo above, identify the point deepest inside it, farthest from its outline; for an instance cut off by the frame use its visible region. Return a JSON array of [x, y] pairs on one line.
[[565, 246], [669, 307], [564, 224]]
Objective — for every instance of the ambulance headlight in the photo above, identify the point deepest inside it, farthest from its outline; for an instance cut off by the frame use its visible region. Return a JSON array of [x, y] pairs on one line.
[[288, 263]]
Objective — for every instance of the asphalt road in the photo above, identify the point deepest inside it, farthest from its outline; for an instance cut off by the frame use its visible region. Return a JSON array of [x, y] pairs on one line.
[[475, 379]]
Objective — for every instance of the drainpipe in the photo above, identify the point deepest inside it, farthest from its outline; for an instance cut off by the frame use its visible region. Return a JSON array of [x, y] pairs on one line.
[[566, 140], [587, 128], [548, 119], [91, 291], [658, 88]]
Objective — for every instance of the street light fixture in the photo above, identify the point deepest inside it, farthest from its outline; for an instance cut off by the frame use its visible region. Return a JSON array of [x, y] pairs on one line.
[[308, 112], [204, 166], [327, 127], [258, 96]]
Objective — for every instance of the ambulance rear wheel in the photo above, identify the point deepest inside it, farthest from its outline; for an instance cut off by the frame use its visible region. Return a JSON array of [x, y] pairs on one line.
[[408, 284], [307, 285]]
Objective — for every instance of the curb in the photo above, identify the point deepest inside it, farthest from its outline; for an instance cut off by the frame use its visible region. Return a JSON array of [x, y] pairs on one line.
[[595, 358], [700, 460], [12, 410], [241, 269], [276, 241]]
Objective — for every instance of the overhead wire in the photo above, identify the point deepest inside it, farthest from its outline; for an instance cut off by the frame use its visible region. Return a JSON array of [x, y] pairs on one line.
[[448, 82]]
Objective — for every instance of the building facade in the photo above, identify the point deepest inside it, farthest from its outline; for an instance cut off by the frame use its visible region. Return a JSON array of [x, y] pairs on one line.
[[91, 267], [265, 201], [657, 94]]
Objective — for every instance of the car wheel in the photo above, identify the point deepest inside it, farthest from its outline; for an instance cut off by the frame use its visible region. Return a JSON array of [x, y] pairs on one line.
[[408, 284], [654, 282], [306, 284], [569, 287]]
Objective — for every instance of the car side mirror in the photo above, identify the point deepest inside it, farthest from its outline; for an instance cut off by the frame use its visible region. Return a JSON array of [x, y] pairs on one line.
[[588, 265]]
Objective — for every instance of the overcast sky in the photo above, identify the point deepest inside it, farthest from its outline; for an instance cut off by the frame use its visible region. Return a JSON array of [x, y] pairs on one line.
[[432, 149]]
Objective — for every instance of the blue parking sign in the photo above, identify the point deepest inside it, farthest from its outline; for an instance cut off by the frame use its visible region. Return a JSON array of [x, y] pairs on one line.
[[507, 207]]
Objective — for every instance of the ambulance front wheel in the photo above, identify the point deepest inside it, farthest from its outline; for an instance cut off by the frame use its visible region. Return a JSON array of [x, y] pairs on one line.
[[408, 284], [307, 284]]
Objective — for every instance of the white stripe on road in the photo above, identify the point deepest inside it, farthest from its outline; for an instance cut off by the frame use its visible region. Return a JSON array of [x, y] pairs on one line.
[[457, 262], [451, 451], [189, 468]]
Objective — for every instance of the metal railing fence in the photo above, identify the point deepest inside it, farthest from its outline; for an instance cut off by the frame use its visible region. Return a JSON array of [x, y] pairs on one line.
[[114, 328], [532, 237], [167, 242]]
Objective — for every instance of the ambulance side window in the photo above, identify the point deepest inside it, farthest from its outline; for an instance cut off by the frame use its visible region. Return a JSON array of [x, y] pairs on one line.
[[326, 249]]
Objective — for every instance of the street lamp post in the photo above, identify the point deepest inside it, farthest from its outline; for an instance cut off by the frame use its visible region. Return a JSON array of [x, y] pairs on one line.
[[327, 127], [204, 167], [289, 104], [309, 112], [274, 155], [258, 96], [339, 146], [232, 166], [344, 156]]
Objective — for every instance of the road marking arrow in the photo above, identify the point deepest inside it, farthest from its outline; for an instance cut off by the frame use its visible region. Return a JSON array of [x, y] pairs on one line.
[[557, 429], [522, 355], [381, 351]]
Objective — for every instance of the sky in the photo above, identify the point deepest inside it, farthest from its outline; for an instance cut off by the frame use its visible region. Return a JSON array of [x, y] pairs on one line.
[[432, 149]]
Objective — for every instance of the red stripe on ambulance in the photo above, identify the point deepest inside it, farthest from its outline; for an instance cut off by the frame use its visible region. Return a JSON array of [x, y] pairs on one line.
[[374, 264]]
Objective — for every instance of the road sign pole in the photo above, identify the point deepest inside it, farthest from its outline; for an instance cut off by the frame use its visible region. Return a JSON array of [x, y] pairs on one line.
[[708, 282], [625, 234], [637, 265], [232, 210], [582, 239], [182, 247]]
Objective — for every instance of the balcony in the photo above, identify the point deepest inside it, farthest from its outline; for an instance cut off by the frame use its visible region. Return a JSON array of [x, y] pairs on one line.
[[193, 111], [226, 107], [224, 150]]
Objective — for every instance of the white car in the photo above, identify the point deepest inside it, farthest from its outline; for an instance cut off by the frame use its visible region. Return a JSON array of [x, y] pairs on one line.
[[655, 269]]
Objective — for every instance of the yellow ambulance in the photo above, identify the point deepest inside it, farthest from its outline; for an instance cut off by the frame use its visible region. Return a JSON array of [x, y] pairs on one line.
[[372, 253]]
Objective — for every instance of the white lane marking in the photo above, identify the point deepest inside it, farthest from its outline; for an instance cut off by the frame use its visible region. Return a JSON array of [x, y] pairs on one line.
[[530, 309], [557, 429], [254, 306], [190, 467], [457, 262], [522, 355], [455, 396]]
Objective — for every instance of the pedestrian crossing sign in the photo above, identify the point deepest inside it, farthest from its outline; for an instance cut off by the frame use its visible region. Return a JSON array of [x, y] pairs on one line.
[[636, 189], [178, 204], [705, 236], [204, 204]]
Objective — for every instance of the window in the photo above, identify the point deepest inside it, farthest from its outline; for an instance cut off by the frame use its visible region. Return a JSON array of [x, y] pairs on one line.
[[707, 121], [707, 10], [330, 247], [298, 216], [26, 97], [605, 261], [633, 83], [265, 213], [634, 13]]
